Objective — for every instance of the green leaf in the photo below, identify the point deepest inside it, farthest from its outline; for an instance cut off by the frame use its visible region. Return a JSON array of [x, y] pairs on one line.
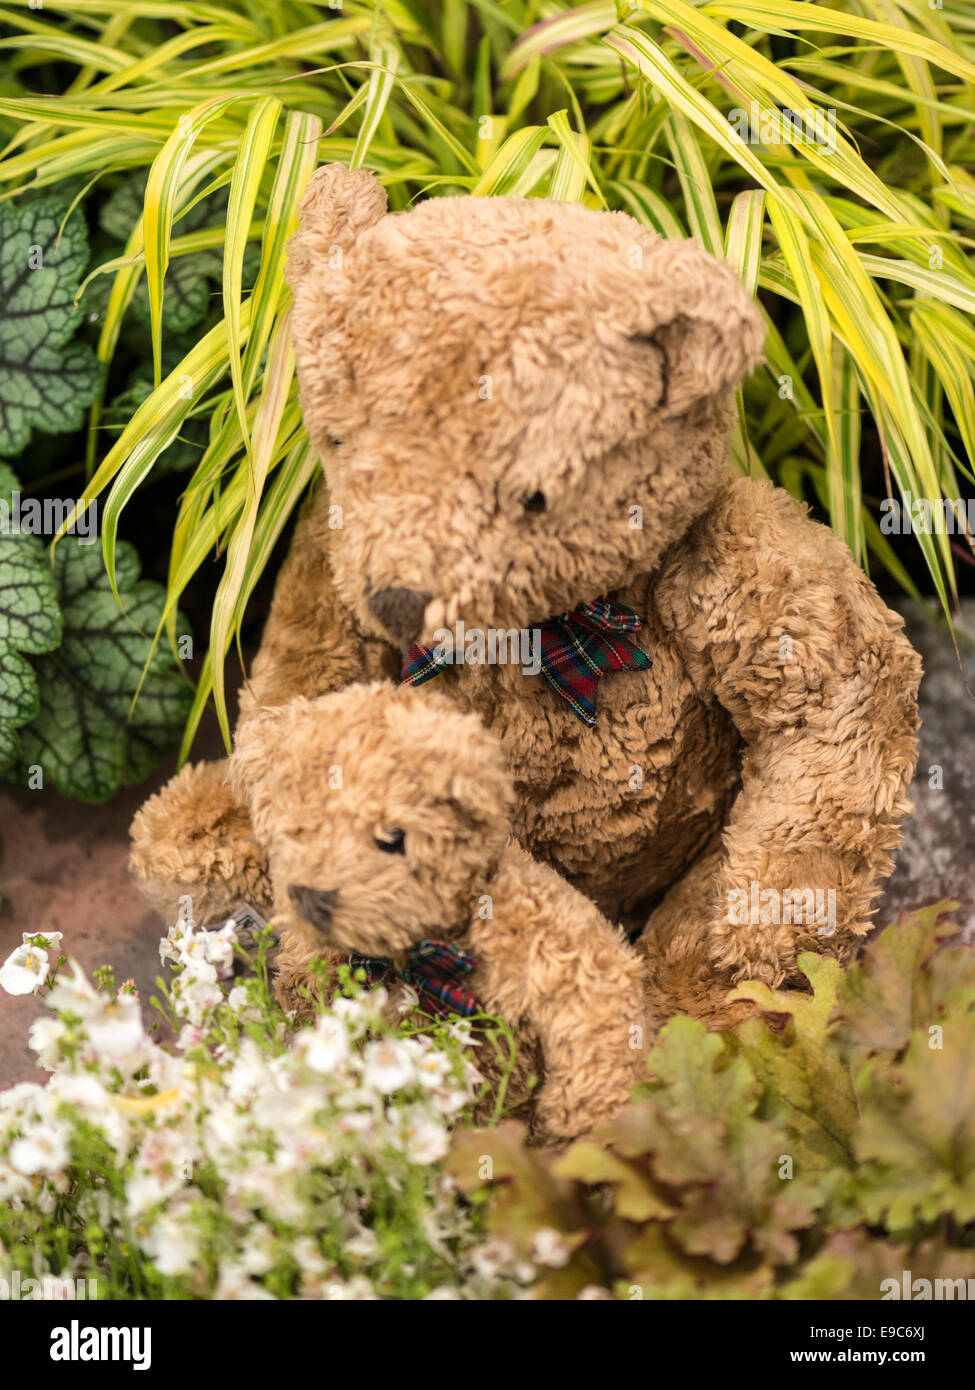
[[808, 1088], [917, 1133], [908, 979], [46, 382], [87, 737], [30, 622]]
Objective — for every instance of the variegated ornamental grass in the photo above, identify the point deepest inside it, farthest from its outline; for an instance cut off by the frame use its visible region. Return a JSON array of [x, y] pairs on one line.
[[868, 241]]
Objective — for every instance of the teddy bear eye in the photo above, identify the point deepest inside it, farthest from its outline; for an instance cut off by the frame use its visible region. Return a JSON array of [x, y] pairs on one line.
[[535, 503], [391, 841]]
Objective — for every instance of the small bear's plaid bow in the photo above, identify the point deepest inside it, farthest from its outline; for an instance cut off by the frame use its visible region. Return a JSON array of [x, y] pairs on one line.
[[434, 970], [578, 648]]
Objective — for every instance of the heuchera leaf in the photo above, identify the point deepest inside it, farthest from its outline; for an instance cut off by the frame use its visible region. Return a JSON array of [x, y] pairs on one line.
[[850, 1123], [908, 978], [46, 382], [808, 1086], [30, 622], [917, 1132], [86, 737], [854, 1265]]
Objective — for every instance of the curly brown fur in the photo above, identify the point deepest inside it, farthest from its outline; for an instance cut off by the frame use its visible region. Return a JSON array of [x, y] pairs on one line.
[[458, 358], [328, 781]]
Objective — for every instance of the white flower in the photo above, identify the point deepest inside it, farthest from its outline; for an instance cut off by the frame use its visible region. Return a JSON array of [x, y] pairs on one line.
[[85, 1091], [171, 1245], [225, 1126], [441, 1295], [432, 1067], [43, 1037], [117, 1030], [233, 1283], [195, 993], [548, 1248], [24, 971], [41, 1150], [239, 1000], [407, 999], [145, 1190], [24, 1096], [76, 995], [449, 1099], [308, 1256], [357, 1289], [362, 1248], [593, 1292], [47, 940], [249, 1072], [257, 1253], [426, 1141], [220, 948], [325, 1046], [388, 1066], [492, 1257]]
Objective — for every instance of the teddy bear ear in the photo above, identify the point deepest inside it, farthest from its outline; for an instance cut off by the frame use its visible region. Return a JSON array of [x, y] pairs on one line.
[[338, 205], [700, 320]]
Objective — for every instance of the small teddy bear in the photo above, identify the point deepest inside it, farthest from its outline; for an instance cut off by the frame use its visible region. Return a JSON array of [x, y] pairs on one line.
[[385, 820]]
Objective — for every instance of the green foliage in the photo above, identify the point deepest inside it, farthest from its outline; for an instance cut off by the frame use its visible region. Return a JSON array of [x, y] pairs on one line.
[[30, 622], [828, 1145], [46, 381], [860, 248], [87, 735]]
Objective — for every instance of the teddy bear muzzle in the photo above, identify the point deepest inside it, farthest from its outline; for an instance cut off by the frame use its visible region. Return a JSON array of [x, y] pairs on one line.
[[315, 905]]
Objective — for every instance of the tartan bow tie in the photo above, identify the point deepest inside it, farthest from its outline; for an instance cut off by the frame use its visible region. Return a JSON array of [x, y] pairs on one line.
[[434, 969], [578, 648]]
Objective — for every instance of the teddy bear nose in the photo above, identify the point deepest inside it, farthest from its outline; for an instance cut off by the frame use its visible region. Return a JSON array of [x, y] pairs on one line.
[[315, 905], [400, 611]]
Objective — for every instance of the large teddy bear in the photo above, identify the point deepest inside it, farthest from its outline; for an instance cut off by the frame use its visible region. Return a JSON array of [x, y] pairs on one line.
[[523, 411], [385, 816]]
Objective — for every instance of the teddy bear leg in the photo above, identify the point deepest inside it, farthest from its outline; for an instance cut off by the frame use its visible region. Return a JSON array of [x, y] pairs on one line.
[[681, 976], [193, 850]]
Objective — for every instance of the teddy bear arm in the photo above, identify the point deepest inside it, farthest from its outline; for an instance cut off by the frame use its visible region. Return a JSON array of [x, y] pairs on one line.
[[777, 622], [299, 988], [311, 643], [558, 969], [193, 850]]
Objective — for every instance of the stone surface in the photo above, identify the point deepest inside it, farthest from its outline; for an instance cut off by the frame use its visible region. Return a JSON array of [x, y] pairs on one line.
[[937, 855], [63, 864]]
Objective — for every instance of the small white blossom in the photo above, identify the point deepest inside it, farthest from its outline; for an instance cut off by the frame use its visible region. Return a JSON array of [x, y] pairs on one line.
[[117, 1030], [326, 1046], [41, 1150], [43, 1037], [425, 1140], [171, 1245], [492, 1257], [548, 1248], [24, 971], [388, 1066]]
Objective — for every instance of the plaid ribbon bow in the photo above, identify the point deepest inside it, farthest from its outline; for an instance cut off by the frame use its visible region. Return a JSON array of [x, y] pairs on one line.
[[434, 969], [578, 648]]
